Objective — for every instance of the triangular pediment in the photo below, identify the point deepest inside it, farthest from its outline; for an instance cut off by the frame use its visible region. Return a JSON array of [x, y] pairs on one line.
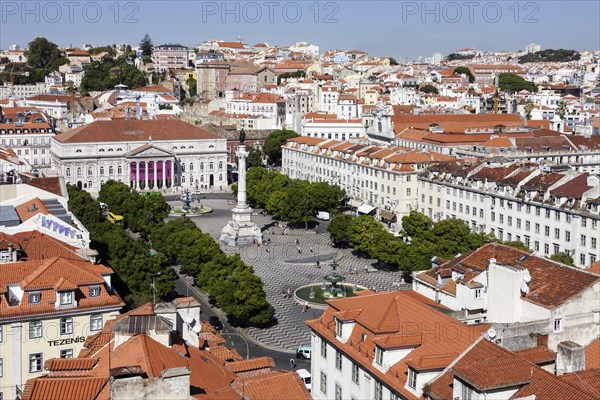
[[149, 150]]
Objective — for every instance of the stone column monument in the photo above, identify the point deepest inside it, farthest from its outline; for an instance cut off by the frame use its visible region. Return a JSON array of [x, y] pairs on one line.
[[241, 229]]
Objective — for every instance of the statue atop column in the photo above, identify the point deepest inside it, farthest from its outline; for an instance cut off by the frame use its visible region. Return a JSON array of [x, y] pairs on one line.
[[241, 229]]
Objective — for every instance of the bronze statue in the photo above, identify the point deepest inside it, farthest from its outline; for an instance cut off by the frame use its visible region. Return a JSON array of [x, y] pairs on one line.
[[242, 136]]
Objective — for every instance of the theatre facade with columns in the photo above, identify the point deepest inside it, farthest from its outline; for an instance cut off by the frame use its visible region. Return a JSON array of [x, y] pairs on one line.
[[145, 154]]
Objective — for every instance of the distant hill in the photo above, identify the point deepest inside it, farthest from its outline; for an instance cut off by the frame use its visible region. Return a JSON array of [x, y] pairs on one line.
[[550, 55]]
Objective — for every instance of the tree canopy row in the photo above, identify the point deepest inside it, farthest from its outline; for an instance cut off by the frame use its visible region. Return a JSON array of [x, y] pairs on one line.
[[291, 200], [233, 284]]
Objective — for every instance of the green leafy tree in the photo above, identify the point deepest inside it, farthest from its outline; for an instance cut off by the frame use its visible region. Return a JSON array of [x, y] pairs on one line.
[[286, 75], [510, 82], [428, 89], [415, 256], [393, 61], [363, 232], [416, 225], [273, 143], [106, 74], [339, 228], [276, 203], [146, 46], [298, 205], [325, 197], [255, 158], [44, 55], [563, 258], [192, 85], [386, 247], [466, 71]]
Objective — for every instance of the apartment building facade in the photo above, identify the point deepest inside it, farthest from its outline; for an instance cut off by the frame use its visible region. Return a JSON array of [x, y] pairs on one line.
[[550, 210], [49, 307], [168, 56]]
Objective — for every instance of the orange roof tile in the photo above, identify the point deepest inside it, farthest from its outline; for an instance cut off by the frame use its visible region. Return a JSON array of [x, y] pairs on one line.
[[275, 385], [134, 130], [250, 364], [30, 209], [64, 388], [537, 354], [592, 355]]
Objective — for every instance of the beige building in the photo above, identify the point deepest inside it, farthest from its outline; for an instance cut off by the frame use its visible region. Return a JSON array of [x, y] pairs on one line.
[[47, 309]]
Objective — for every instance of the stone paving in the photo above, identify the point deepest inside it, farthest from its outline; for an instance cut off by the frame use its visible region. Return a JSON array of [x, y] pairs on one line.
[[282, 267]]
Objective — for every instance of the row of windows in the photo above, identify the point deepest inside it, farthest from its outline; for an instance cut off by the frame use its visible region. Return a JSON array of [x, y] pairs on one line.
[[66, 326], [24, 142]]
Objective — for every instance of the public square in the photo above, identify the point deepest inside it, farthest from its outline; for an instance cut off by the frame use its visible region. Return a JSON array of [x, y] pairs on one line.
[[283, 267]]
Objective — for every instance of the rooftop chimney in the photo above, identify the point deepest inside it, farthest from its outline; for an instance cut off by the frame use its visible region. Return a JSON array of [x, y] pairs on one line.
[[570, 357]]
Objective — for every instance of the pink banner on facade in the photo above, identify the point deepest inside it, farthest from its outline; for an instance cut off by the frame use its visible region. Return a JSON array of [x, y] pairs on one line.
[[142, 171], [168, 167], [132, 171], [150, 171]]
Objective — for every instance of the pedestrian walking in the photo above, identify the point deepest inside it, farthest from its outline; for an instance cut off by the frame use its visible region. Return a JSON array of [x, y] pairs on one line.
[[299, 250], [297, 241], [311, 249], [292, 363]]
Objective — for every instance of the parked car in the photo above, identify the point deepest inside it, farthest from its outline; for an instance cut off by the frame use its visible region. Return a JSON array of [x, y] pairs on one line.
[[303, 352], [306, 378], [216, 323]]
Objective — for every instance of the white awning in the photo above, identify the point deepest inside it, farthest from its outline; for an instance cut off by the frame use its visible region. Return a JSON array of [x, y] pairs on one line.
[[354, 203], [365, 209]]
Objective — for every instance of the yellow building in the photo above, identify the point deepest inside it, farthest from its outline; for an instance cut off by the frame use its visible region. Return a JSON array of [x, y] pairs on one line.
[[47, 310]]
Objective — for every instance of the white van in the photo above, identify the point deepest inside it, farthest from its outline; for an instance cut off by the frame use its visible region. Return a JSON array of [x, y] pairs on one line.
[[323, 216], [306, 378]]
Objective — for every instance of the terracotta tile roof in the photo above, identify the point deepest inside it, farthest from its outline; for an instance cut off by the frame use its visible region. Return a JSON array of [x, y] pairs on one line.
[[546, 386], [70, 364], [537, 355], [134, 131], [152, 356], [441, 387], [250, 364], [430, 363], [49, 184], [399, 340], [575, 188], [542, 182], [64, 388], [592, 355], [587, 381], [273, 386], [594, 268], [551, 284], [44, 275], [38, 246], [387, 314], [487, 366], [30, 209]]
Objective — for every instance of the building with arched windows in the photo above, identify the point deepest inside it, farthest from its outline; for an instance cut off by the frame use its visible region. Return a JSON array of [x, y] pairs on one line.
[[147, 155]]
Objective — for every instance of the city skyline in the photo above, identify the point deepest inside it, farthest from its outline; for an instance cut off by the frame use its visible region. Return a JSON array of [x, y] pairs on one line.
[[487, 25]]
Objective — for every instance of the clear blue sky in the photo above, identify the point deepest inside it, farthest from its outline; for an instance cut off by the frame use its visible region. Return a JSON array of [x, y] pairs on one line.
[[382, 28]]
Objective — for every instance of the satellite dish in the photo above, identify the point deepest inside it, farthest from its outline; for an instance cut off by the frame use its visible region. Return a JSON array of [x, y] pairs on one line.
[[491, 333], [189, 319], [524, 287], [527, 278], [197, 328]]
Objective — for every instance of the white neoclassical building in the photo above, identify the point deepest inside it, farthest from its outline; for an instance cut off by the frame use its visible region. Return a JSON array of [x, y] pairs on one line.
[[147, 155]]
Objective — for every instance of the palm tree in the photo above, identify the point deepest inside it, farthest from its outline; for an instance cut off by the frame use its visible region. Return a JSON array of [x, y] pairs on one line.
[[528, 108]]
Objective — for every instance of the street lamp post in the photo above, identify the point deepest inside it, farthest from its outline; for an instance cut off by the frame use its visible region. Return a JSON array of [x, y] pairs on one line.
[[243, 338]]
